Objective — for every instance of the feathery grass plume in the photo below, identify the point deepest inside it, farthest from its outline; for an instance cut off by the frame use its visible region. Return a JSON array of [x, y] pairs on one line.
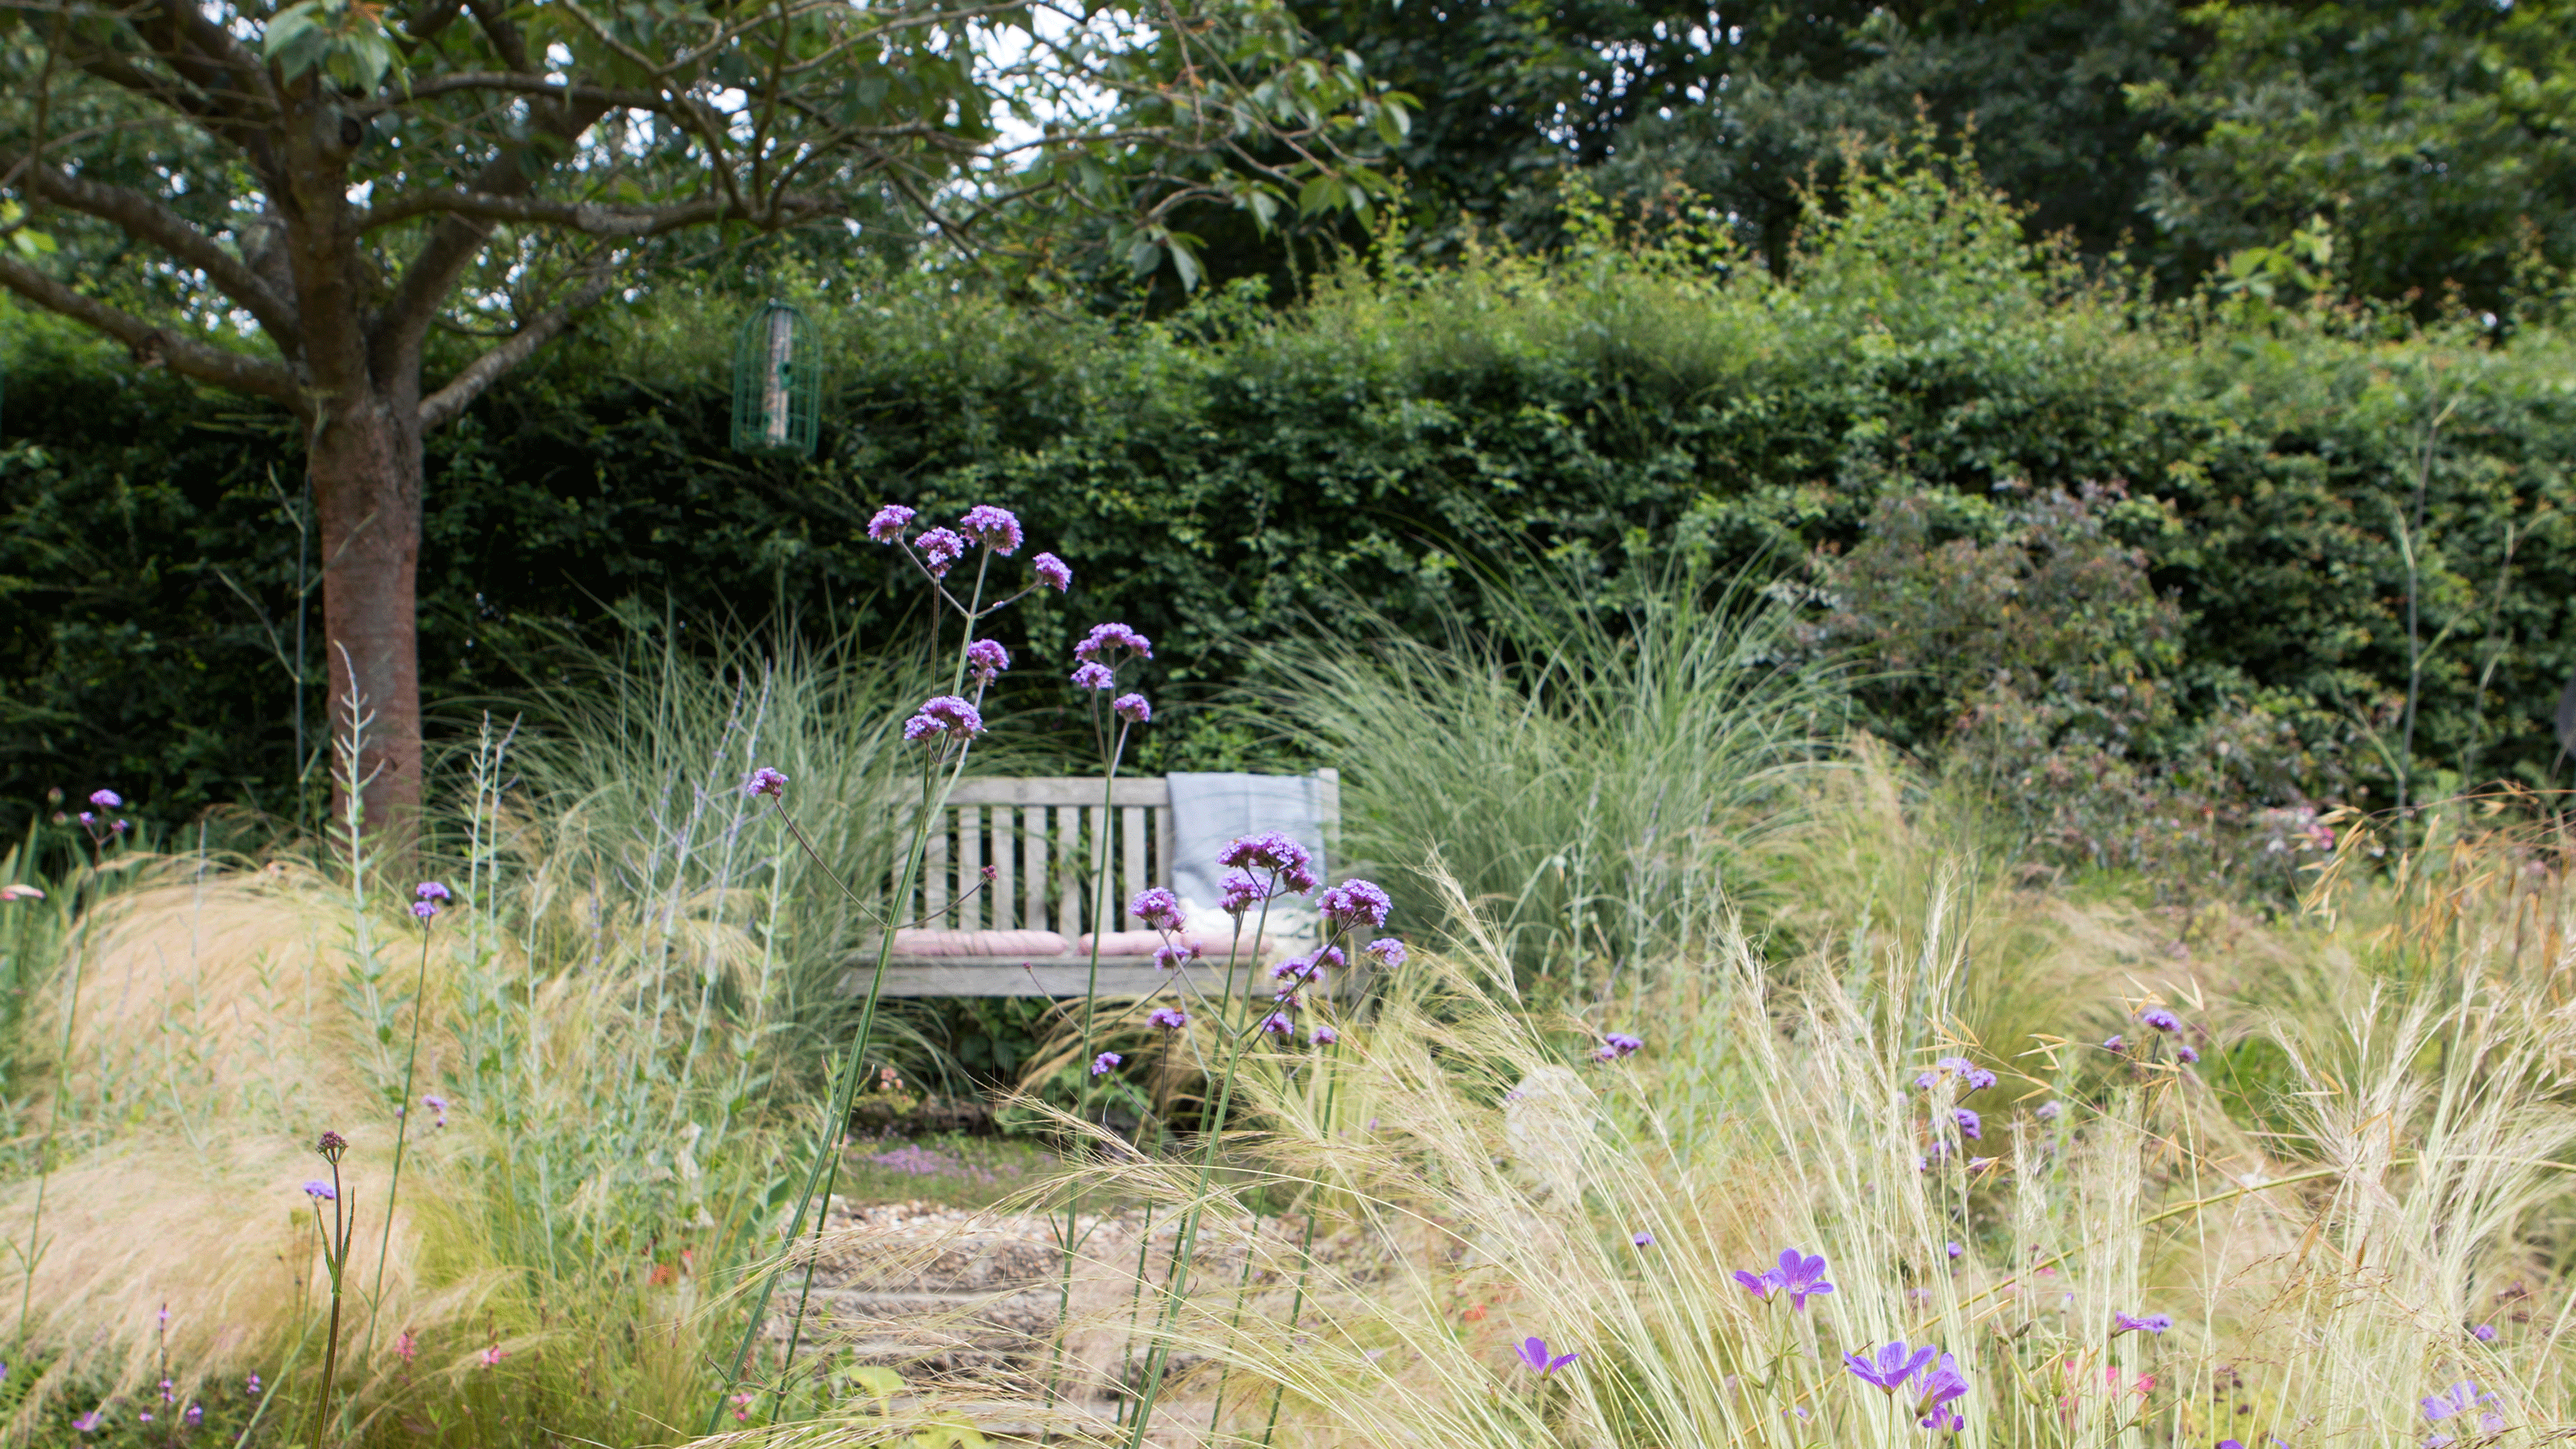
[[1595, 778]]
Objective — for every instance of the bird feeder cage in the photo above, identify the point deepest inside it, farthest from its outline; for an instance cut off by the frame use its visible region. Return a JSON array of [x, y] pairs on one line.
[[777, 384]]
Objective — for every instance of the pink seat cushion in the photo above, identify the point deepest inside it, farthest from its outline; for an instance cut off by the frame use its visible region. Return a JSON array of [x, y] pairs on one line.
[[978, 943], [1146, 943]]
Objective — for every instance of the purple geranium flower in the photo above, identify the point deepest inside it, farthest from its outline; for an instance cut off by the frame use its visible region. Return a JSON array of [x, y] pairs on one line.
[[2459, 1398], [1801, 1276], [1936, 1386], [1970, 1125], [1958, 1250], [939, 549], [1052, 572], [890, 522], [995, 528], [1131, 708], [1894, 1364], [765, 781], [1533, 1352], [1169, 1018], [2147, 1323], [946, 715], [1354, 903], [1158, 908], [987, 658], [1101, 1064]]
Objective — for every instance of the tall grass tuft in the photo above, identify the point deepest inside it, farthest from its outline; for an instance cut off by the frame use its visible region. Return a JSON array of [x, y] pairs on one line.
[[1596, 779]]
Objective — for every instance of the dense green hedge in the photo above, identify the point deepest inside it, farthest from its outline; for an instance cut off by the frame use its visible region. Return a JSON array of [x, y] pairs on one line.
[[1231, 474]]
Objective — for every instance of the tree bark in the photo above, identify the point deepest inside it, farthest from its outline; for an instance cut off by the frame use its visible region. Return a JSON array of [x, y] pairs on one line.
[[365, 458]]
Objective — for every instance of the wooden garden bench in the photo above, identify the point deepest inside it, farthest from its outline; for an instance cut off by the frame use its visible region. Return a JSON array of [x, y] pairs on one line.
[[1037, 836]]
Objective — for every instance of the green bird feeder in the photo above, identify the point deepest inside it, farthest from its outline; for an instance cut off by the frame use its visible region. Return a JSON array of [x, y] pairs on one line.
[[777, 384]]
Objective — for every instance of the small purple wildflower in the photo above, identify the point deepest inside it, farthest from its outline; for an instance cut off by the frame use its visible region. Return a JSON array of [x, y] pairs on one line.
[[2146, 1323], [995, 528], [890, 522], [1388, 950], [946, 715], [1169, 1018], [2459, 1398], [986, 658], [1242, 893], [1971, 1126], [1641, 1238], [765, 781], [2483, 1333], [1801, 1277], [425, 910], [2161, 1019], [321, 1191], [1131, 708], [251, 1386], [1158, 908], [1269, 850], [106, 799], [1094, 675], [2114, 1044], [1621, 1043], [1892, 1366], [1101, 1064], [1354, 903], [196, 1415], [119, 828], [1958, 1250], [2184, 1054], [1052, 572], [1278, 1024], [88, 1423], [1936, 1387], [2049, 1111], [1322, 1036], [940, 550], [1533, 1352], [1106, 641], [1173, 958], [430, 890]]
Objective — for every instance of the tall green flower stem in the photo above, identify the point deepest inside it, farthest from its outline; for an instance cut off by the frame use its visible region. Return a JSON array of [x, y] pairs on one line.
[[402, 1127], [1185, 1241], [952, 737], [1306, 1247], [335, 1257], [1114, 749]]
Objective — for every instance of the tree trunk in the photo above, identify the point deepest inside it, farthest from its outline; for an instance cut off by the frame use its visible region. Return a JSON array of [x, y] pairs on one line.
[[366, 463]]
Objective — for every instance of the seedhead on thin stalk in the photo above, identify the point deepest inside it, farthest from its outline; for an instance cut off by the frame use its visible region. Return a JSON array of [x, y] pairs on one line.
[[945, 729], [336, 1230]]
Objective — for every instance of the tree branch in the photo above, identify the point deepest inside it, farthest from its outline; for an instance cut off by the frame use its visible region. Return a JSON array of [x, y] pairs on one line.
[[443, 405], [147, 220], [590, 218], [156, 345]]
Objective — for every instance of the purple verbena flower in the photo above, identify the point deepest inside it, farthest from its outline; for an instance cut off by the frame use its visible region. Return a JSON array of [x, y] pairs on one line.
[[1958, 1250], [1891, 1367], [1101, 1064], [106, 799], [2184, 1054], [1106, 642], [430, 890], [1169, 1018], [2049, 1111], [1533, 1352], [1641, 1238], [1622, 1044], [425, 910], [321, 1191], [1354, 903], [196, 1415], [1158, 908], [250, 1386], [986, 659], [438, 1104], [1971, 1126], [947, 716], [118, 828], [331, 1145], [1278, 1024], [940, 549], [2114, 1043], [1322, 1036], [1242, 893], [1269, 850], [890, 522], [1052, 572], [1388, 950], [995, 528], [1173, 958], [1131, 708], [765, 781], [1094, 675], [2142, 1323], [2484, 1333], [2161, 1019]]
